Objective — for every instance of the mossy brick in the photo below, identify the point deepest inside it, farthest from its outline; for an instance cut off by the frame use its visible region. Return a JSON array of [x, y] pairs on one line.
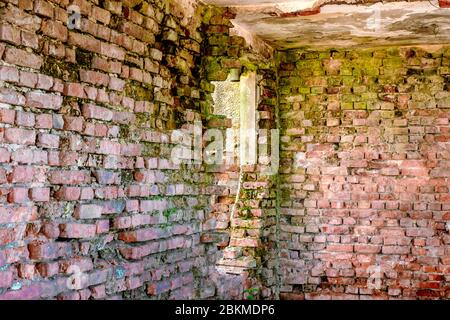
[[370, 71], [360, 105], [317, 90], [381, 53], [305, 73], [334, 81], [217, 51], [346, 70], [284, 90], [393, 52], [393, 62], [346, 105], [338, 54], [290, 56], [387, 114], [389, 79], [295, 82], [237, 41], [325, 54], [446, 52], [369, 62], [359, 89], [215, 72], [304, 90], [369, 96], [219, 40], [413, 62], [315, 65], [350, 98], [207, 86], [444, 70], [234, 51], [312, 55], [388, 71]]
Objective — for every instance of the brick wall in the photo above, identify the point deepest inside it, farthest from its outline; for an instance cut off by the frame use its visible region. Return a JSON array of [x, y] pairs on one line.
[[91, 206], [365, 173]]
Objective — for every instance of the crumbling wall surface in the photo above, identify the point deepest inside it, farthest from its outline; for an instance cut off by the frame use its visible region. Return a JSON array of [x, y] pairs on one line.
[[365, 173], [90, 204]]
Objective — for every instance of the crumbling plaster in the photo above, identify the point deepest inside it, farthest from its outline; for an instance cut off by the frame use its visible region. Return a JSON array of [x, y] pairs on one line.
[[296, 24]]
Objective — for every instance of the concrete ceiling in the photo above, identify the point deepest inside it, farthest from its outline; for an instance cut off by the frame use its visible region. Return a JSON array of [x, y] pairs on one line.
[[289, 24]]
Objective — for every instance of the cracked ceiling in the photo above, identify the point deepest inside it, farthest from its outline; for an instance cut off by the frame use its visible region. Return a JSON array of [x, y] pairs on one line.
[[290, 24]]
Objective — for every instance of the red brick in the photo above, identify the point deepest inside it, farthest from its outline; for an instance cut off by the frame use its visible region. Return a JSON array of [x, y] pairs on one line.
[[116, 84], [69, 177], [43, 8], [7, 116], [48, 251], [109, 147], [87, 194], [138, 252], [46, 140], [23, 58], [9, 33], [5, 155], [86, 42], [44, 82], [102, 226], [106, 65], [20, 136], [55, 29], [28, 79], [143, 235], [94, 77], [18, 195], [131, 150], [98, 292], [340, 248], [444, 3], [73, 123], [84, 5], [9, 74], [101, 15], [158, 287], [95, 112], [40, 194], [50, 230], [10, 96], [88, 211], [122, 222], [6, 279], [366, 248], [25, 119], [396, 250], [112, 51], [48, 269], [29, 39], [28, 156], [21, 174], [68, 193], [107, 177], [77, 230], [74, 90], [43, 100], [44, 121], [27, 271]]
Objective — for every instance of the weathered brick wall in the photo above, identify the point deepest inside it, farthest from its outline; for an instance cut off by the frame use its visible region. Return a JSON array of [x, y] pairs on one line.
[[92, 207], [87, 189], [365, 173]]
